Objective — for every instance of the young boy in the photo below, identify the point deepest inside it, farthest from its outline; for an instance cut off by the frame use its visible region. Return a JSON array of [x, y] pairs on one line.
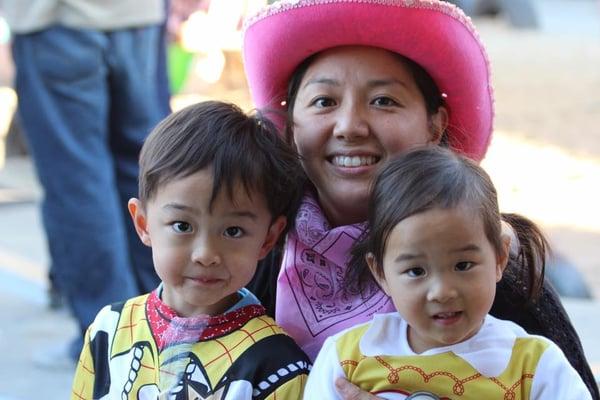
[[217, 189]]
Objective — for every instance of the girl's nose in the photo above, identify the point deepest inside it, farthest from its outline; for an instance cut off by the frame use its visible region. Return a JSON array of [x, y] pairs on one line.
[[351, 122], [205, 253], [441, 290]]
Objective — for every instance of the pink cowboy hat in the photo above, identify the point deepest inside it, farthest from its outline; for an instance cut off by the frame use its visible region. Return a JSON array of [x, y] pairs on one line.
[[435, 34]]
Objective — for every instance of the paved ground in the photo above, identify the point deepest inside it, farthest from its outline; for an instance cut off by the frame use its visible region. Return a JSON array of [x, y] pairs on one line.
[[545, 160]]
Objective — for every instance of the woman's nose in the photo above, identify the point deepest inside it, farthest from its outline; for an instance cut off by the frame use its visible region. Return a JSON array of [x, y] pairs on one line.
[[351, 122], [205, 252], [441, 290]]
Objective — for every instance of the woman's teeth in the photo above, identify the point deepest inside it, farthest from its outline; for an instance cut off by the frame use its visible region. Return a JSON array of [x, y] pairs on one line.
[[354, 161]]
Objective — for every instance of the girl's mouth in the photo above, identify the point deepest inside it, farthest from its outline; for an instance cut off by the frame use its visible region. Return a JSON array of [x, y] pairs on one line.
[[447, 318]]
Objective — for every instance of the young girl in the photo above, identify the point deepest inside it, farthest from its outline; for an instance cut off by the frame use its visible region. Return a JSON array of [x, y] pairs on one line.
[[435, 247]]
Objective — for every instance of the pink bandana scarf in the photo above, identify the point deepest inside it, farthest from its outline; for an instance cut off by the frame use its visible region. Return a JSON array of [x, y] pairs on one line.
[[310, 301]]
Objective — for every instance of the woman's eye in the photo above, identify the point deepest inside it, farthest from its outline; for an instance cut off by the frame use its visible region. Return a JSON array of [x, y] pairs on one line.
[[384, 101], [415, 272], [323, 102], [464, 265], [181, 227], [234, 232]]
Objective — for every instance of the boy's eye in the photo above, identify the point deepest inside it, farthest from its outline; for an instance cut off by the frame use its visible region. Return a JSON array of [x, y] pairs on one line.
[[234, 231], [464, 265], [415, 272], [181, 227]]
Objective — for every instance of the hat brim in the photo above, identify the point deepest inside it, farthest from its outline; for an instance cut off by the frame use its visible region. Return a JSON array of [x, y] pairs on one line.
[[434, 34]]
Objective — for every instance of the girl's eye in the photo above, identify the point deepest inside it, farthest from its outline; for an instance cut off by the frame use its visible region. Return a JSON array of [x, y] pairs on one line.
[[181, 227], [234, 232], [384, 101], [415, 272], [323, 102], [464, 265]]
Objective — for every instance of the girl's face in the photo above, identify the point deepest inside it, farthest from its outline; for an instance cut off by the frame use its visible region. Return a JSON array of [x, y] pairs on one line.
[[441, 271], [356, 107]]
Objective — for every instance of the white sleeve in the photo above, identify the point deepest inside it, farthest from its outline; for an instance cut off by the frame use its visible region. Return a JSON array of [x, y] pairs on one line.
[[555, 378], [326, 369]]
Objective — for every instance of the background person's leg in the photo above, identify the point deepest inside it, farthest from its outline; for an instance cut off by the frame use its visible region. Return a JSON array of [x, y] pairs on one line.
[[162, 73], [63, 104], [136, 107]]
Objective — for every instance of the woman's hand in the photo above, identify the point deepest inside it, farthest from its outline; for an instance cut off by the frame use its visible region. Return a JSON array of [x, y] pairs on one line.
[[348, 391]]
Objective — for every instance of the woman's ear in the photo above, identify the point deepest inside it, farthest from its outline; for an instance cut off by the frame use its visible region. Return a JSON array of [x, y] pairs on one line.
[[140, 222], [508, 230], [272, 235], [376, 272], [438, 123], [291, 138], [502, 259]]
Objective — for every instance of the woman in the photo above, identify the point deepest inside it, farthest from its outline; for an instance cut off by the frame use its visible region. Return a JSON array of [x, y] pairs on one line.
[[361, 81]]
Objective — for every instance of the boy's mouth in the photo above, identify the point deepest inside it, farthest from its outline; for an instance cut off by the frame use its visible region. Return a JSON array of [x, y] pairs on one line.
[[206, 280]]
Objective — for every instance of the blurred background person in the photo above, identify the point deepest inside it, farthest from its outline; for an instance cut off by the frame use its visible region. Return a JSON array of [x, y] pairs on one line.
[[88, 81]]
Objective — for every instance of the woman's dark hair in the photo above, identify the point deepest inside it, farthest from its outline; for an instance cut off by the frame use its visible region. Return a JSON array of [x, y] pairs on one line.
[[430, 178], [425, 83], [238, 148]]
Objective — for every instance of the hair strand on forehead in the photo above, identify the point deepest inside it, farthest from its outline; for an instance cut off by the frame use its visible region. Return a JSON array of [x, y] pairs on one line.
[[238, 148]]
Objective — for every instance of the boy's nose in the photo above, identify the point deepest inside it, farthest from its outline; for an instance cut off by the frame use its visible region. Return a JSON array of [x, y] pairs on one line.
[[206, 253]]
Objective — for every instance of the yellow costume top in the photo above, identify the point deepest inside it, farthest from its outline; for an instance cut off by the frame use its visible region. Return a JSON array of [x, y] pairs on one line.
[[140, 349], [500, 362]]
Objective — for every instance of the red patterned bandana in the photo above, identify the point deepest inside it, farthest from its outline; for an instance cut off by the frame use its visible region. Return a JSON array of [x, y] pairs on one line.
[[169, 329]]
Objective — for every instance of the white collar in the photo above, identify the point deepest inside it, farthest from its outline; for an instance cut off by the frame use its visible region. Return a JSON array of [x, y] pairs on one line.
[[489, 351]]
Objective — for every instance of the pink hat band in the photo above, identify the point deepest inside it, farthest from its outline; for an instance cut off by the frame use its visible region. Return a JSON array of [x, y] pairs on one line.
[[435, 34]]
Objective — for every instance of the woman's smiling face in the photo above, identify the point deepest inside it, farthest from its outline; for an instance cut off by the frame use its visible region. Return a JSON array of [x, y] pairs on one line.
[[355, 107]]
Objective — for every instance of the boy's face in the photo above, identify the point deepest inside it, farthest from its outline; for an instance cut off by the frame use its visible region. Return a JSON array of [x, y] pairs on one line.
[[204, 256], [441, 272]]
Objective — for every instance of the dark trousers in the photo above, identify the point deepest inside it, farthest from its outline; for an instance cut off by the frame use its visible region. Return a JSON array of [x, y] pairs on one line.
[[87, 101]]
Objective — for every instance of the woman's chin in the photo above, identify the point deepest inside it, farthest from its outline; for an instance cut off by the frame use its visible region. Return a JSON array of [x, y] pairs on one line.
[[346, 209]]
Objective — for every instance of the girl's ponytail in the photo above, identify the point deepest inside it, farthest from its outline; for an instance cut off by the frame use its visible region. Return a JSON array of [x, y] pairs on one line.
[[531, 255]]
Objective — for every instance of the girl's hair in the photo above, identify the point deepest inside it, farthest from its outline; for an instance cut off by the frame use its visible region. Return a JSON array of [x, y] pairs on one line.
[[425, 83], [434, 177]]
